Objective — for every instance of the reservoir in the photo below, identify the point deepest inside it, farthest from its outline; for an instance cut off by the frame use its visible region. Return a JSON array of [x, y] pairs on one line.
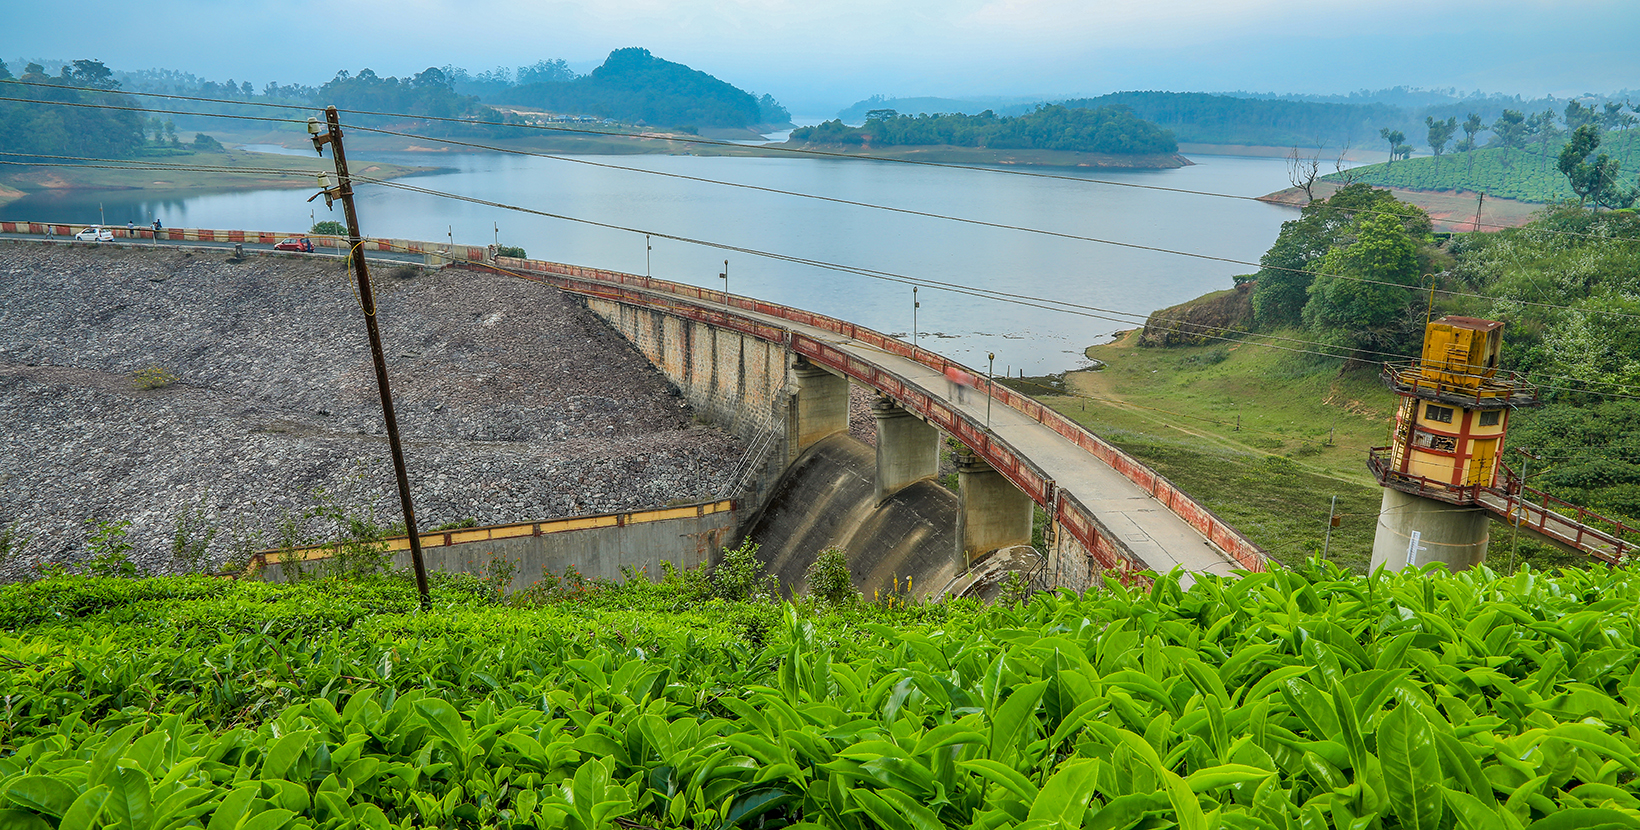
[[781, 237]]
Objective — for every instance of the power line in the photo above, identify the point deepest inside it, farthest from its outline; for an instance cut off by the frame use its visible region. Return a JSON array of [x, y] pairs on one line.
[[1095, 312], [762, 148], [889, 276], [1077, 237]]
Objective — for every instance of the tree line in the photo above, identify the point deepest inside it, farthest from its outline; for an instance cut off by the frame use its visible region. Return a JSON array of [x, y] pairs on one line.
[[1541, 156], [1114, 130], [45, 129]]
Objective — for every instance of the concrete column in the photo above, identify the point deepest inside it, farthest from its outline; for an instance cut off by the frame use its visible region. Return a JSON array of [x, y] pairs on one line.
[[819, 407], [1449, 533], [992, 513], [908, 448]]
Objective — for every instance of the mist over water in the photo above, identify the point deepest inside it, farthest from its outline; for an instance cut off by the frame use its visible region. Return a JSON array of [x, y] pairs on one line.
[[965, 328]]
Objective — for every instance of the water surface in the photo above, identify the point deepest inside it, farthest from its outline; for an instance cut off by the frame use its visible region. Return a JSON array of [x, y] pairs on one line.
[[1035, 340]]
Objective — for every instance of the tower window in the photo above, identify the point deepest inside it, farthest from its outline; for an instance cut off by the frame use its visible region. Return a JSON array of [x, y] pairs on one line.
[[1438, 413], [1431, 441], [1490, 417]]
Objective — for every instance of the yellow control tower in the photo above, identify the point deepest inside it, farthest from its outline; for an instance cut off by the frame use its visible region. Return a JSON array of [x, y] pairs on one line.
[[1443, 453]]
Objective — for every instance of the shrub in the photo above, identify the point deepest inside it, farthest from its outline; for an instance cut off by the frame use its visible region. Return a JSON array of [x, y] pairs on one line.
[[510, 250], [110, 553], [154, 377], [829, 579], [204, 143], [194, 532], [739, 576], [329, 227]]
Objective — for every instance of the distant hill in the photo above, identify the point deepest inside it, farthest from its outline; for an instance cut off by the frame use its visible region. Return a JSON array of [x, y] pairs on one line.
[[638, 88], [1111, 130], [1222, 119], [856, 113]]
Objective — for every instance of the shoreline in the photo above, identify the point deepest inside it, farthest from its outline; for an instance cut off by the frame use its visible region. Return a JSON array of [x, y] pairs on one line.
[[1450, 211], [27, 182]]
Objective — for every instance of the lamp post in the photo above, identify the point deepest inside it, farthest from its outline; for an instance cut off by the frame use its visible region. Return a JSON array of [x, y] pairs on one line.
[[646, 249], [725, 276], [914, 306], [990, 379]]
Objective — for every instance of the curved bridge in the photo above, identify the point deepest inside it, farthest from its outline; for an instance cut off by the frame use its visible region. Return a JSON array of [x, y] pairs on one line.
[[1107, 511]]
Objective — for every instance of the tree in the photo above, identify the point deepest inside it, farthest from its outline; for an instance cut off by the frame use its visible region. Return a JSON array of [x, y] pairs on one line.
[[1440, 132], [1596, 181], [90, 75], [1509, 132], [1303, 170], [1542, 125], [1578, 115], [1396, 140], [1359, 291], [5, 72], [1284, 274], [1471, 128]]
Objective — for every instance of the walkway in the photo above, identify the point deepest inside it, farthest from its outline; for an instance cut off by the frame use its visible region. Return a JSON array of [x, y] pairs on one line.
[[1121, 512]]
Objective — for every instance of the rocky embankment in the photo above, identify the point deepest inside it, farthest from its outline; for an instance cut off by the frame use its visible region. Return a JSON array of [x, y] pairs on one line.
[[515, 403]]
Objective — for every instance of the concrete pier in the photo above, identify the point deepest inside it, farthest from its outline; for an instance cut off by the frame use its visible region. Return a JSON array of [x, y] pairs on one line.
[[1414, 531], [992, 512], [819, 407], [908, 448]]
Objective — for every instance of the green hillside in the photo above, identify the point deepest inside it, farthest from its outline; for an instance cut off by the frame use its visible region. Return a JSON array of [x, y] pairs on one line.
[[1528, 174]]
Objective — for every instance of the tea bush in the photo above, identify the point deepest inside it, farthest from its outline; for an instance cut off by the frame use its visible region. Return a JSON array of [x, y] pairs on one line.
[[1289, 699]]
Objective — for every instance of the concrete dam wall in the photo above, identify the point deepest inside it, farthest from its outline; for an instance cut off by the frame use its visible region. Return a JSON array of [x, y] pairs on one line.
[[828, 499]]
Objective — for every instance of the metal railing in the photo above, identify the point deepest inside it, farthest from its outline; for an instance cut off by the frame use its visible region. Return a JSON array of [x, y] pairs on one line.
[[1518, 505], [1503, 388]]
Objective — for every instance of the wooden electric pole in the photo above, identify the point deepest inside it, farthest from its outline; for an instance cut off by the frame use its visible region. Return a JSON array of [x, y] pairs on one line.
[[367, 303]]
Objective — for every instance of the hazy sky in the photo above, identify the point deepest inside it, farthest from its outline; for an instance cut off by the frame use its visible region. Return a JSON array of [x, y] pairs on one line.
[[820, 56]]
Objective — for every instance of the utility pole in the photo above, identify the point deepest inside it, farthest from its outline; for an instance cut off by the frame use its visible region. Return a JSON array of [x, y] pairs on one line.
[[367, 303], [646, 249], [1332, 522], [1519, 510]]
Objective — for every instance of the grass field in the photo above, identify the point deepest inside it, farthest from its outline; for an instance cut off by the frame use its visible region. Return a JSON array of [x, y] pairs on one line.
[[1263, 437]]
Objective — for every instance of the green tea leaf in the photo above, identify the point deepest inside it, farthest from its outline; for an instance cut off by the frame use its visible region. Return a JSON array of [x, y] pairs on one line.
[[42, 794], [1412, 769]]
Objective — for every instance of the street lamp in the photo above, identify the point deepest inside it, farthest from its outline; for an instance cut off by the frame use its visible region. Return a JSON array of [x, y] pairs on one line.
[[725, 276], [914, 306], [990, 380], [646, 249]]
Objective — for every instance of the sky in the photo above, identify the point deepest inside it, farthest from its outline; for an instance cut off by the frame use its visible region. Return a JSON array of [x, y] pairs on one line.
[[818, 56]]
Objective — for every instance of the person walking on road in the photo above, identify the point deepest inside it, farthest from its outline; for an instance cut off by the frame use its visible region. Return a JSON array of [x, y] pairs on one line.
[[130, 230]]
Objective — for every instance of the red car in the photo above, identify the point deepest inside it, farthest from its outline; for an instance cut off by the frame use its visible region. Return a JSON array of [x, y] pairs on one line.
[[301, 245]]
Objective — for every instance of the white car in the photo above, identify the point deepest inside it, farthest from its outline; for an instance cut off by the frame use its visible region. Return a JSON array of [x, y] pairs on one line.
[[95, 234]]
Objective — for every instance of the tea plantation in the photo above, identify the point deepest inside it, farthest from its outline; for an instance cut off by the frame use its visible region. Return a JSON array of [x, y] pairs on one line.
[[1294, 699]]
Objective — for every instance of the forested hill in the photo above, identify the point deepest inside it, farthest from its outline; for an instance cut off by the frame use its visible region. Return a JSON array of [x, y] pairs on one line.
[[66, 130], [1221, 119], [1113, 130], [636, 87]]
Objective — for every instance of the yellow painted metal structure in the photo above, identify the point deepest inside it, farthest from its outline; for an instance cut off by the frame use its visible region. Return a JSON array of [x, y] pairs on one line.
[[1454, 411], [1461, 351]]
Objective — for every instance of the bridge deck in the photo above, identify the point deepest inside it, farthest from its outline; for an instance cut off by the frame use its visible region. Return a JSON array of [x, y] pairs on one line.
[[1155, 535]]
